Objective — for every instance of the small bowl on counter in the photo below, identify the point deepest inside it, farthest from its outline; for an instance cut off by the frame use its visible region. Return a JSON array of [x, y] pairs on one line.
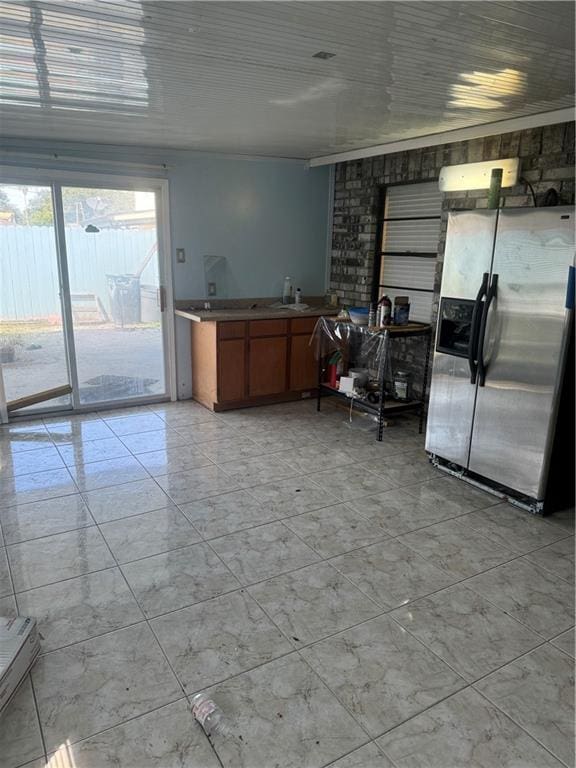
[[358, 315]]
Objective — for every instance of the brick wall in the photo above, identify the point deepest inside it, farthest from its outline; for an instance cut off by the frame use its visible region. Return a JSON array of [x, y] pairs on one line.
[[547, 161]]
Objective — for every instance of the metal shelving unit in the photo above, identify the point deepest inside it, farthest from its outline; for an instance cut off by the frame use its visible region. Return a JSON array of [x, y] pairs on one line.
[[383, 344]]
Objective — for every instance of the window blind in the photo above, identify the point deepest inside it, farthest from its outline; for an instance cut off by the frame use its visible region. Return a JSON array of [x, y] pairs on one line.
[[410, 235]]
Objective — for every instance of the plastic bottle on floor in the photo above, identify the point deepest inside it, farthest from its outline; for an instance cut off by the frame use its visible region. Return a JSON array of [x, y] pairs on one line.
[[209, 715]]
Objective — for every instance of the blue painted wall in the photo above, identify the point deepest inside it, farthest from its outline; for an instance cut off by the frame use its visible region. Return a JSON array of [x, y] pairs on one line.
[[268, 217]]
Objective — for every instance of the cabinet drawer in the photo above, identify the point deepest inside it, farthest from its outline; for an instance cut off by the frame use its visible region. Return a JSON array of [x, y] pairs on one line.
[[268, 327], [232, 330], [303, 324]]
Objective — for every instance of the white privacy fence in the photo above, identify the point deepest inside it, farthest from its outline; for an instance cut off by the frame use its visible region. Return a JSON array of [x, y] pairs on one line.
[[29, 286]]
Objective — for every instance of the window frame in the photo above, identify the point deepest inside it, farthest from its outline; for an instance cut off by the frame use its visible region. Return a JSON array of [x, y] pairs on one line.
[[379, 253]]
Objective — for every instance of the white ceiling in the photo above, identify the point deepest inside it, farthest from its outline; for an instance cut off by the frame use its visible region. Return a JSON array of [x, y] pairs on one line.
[[239, 76]]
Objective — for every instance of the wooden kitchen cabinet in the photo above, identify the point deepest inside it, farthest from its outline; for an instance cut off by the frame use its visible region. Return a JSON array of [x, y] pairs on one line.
[[251, 362], [268, 327], [231, 369], [303, 365], [268, 365], [232, 330]]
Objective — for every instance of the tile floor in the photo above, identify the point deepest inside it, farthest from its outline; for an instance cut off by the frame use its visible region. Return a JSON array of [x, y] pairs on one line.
[[345, 603]]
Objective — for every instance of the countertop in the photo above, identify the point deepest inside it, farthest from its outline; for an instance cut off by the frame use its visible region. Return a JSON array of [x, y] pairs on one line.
[[258, 313]]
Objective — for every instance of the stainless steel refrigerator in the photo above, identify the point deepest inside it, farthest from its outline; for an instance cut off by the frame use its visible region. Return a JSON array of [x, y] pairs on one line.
[[501, 346]]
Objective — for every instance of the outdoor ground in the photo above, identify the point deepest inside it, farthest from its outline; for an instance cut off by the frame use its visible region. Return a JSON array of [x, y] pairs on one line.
[[112, 362]]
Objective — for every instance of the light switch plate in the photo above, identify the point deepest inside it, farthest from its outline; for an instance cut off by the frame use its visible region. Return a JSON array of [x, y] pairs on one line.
[[211, 289], [180, 255]]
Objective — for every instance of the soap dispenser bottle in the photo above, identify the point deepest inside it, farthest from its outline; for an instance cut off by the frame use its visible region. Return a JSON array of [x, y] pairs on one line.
[[287, 291]]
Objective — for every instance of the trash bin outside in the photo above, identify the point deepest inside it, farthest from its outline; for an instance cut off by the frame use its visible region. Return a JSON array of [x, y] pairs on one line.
[[149, 304], [124, 296]]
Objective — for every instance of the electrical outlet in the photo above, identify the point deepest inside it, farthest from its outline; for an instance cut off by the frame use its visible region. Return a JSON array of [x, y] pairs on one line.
[[211, 289], [180, 255]]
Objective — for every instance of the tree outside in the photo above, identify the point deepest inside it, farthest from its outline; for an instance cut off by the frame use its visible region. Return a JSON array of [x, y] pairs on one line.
[[33, 206]]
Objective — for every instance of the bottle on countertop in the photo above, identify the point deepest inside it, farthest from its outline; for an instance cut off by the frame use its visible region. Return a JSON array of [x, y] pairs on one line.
[[287, 291], [401, 310], [298, 296], [371, 316], [384, 311]]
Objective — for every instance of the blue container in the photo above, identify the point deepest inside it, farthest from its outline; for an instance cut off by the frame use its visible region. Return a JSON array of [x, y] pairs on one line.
[[358, 315], [401, 314]]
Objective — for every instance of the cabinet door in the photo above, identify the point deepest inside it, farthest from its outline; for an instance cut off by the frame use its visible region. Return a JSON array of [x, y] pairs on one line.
[[303, 364], [268, 366], [231, 369]]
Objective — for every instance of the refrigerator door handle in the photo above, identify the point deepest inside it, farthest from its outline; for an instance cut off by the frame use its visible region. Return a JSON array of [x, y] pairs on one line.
[[489, 298], [476, 316]]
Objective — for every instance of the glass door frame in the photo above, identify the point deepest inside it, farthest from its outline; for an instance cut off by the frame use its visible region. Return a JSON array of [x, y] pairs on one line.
[[57, 179]]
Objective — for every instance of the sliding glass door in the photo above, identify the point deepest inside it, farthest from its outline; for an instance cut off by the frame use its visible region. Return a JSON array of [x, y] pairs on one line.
[[115, 293], [82, 295], [33, 350]]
